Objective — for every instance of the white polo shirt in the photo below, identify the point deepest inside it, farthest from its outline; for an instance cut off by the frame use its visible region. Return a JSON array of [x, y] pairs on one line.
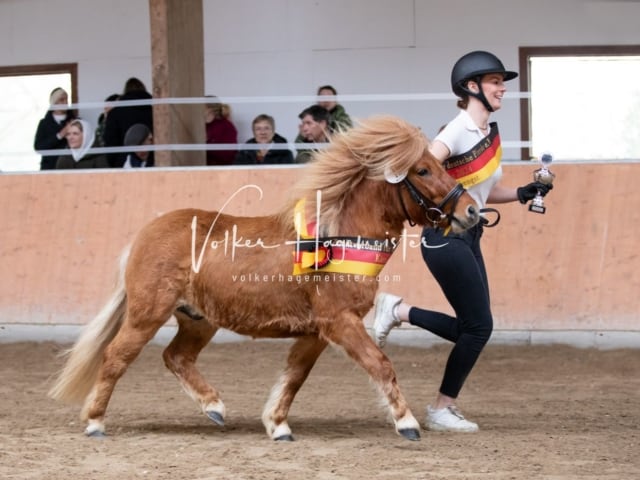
[[460, 135]]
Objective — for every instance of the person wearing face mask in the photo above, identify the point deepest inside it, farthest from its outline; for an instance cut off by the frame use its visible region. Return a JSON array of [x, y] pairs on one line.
[[469, 148], [81, 138], [52, 129], [265, 137]]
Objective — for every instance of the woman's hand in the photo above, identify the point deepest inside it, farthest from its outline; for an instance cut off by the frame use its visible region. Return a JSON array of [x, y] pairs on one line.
[[528, 192]]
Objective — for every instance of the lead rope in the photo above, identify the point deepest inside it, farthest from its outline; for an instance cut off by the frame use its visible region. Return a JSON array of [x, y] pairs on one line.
[[484, 221]]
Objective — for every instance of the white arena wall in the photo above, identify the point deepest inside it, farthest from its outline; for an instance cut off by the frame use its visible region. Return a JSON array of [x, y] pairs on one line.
[[273, 48], [262, 56]]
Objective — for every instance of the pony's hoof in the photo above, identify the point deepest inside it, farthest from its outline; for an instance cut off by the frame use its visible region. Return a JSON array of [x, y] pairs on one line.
[[410, 433], [284, 438], [216, 418], [95, 429]]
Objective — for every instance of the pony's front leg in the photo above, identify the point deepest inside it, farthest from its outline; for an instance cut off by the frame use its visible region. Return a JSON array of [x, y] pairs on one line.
[[347, 330], [302, 357]]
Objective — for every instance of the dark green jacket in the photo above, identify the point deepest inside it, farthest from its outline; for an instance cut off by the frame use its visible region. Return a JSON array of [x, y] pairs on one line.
[[339, 119]]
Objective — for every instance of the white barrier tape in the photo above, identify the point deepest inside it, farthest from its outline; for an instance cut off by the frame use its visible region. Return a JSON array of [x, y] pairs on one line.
[[207, 146], [307, 99]]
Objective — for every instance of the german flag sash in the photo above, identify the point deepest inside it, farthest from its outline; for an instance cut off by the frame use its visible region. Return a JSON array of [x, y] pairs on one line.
[[479, 163], [354, 255]]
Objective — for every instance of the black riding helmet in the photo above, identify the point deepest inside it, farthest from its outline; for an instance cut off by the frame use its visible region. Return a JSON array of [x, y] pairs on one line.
[[473, 66]]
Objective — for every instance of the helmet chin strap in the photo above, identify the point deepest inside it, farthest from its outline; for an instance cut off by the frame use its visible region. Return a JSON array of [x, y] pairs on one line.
[[480, 94]]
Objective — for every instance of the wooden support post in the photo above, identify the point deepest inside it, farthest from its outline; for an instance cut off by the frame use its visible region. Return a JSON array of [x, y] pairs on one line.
[[177, 57]]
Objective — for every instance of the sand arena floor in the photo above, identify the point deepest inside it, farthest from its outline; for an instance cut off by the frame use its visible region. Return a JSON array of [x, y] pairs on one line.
[[551, 412]]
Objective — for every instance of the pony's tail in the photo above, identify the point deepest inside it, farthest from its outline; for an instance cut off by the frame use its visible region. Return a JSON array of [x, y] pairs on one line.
[[76, 379]]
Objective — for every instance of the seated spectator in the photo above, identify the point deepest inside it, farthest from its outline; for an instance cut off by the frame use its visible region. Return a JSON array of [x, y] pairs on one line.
[[81, 138], [314, 129], [121, 118], [102, 119], [51, 133], [138, 134], [264, 134], [339, 119], [219, 130]]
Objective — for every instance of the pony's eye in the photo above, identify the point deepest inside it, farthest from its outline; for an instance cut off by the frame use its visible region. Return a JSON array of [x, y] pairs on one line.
[[423, 172]]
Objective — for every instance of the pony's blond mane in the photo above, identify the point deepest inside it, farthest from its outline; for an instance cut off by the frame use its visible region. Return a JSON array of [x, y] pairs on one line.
[[363, 152]]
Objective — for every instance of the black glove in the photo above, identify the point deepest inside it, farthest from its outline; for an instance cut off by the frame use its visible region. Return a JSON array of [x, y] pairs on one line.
[[529, 191]]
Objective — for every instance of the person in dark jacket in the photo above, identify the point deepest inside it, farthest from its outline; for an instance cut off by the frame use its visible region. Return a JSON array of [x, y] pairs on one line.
[[314, 130], [52, 129], [265, 138], [339, 119], [102, 119], [138, 135], [81, 138], [121, 118]]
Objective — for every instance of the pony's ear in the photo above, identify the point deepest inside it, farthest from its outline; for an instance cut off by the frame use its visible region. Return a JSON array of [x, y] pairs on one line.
[[392, 177]]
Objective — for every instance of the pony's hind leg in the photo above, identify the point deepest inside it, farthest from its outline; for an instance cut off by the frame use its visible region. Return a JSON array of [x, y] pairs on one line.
[[302, 357], [180, 356], [348, 331], [134, 334]]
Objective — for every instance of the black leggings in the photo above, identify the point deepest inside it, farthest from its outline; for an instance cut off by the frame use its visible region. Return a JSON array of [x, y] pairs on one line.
[[456, 263]]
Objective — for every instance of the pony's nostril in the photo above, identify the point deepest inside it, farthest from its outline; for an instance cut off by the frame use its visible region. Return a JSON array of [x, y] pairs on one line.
[[472, 211]]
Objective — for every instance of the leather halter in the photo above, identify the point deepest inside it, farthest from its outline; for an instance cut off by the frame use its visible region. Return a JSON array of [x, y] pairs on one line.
[[433, 212]]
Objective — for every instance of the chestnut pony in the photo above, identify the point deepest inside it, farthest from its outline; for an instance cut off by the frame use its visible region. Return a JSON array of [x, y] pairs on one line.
[[365, 184]]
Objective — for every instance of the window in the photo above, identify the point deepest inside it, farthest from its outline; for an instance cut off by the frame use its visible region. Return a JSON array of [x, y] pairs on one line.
[[583, 102], [26, 92]]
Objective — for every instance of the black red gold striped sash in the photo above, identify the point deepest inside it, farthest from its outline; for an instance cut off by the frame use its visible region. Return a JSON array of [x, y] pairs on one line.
[[479, 163], [355, 255]]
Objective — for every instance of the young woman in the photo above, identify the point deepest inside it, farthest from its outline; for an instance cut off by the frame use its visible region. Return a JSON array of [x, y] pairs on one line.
[[469, 147]]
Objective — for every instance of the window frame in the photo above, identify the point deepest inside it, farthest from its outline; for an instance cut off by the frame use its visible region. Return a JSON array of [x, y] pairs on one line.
[[524, 56], [46, 69], [70, 69]]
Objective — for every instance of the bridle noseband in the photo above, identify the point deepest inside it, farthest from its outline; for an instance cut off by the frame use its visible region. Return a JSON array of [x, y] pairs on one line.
[[433, 212]]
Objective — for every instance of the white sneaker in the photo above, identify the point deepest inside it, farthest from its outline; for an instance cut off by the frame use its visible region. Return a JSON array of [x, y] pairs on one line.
[[448, 419], [385, 317]]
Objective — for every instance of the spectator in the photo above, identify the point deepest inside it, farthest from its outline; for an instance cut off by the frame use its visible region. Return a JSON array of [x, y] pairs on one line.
[[339, 119], [52, 128], [314, 129], [102, 119], [81, 138], [264, 133], [219, 130], [121, 118], [138, 134]]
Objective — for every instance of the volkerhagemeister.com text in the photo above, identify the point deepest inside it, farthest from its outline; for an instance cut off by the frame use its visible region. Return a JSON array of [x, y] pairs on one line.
[[314, 278]]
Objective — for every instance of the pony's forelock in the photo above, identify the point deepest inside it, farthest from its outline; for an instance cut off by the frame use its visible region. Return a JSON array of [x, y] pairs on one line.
[[364, 151], [385, 142]]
